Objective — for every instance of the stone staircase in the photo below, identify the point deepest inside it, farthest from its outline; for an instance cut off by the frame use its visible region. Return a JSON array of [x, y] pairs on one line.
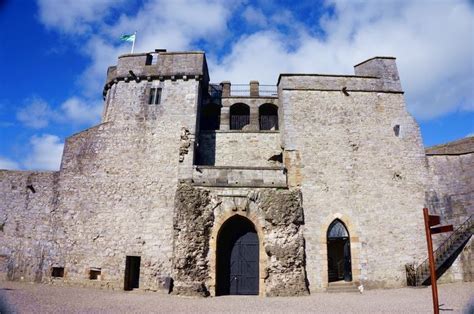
[[342, 287], [444, 255]]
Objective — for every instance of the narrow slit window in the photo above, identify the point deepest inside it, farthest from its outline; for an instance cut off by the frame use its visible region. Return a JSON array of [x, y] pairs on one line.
[[396, 130], [151, 59], [155, 96]]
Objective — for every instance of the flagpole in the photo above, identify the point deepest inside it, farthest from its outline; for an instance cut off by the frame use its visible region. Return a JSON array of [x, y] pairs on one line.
[[134, 38]]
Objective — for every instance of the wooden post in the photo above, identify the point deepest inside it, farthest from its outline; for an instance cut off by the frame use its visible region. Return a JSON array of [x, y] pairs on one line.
[[434, 287]]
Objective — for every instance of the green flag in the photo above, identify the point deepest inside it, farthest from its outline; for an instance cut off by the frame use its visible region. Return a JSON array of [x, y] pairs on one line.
[[129, 38]]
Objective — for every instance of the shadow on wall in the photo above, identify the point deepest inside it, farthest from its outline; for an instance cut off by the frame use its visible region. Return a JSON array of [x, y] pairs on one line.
[[207, 149]]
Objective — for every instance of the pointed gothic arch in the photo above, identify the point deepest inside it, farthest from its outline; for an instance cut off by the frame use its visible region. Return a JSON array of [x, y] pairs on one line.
[[338, 252]]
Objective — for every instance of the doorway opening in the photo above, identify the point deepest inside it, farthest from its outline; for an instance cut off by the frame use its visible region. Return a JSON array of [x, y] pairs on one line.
[[237, 259], [339, 252], [132, 272]]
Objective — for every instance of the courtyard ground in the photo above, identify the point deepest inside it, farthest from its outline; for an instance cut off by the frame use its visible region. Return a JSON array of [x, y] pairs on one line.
[[18, 297]]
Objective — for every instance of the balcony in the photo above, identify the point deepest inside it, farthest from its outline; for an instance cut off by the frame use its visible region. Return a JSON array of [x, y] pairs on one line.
[[254, 89]]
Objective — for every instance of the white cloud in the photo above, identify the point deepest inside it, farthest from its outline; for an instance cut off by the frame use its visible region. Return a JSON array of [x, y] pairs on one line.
[[433, 45], [431, 40], [173, 25], [36, 114], [76, 111], [74, 16], [45, 154], [6, 163], [254, 16]]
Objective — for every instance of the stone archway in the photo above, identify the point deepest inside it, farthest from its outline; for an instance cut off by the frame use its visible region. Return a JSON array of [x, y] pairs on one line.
[[339, 252], [237, 258], [355, 247]]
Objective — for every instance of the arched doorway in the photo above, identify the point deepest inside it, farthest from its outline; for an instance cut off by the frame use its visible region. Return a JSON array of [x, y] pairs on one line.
[[237, 259], [339, 252]]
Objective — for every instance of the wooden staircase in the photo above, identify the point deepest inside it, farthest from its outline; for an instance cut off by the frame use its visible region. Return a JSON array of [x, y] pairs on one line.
[[444, 255]]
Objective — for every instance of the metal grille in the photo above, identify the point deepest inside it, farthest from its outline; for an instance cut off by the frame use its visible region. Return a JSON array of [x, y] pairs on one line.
[[237, 122], [269, 122], [240, 90], [268, 90]]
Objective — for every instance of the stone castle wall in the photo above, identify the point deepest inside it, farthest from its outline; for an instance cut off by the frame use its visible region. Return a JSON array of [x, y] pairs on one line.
[[451, 196], [30, 229], [239, 148], [352, 164], [452, 168], [118, 181]]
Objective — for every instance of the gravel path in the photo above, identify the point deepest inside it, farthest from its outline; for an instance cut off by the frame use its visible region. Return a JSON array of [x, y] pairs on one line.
[[38, 298]]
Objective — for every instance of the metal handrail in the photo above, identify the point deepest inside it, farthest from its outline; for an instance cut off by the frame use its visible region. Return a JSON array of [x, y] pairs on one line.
[[244, 90], [443, 248]]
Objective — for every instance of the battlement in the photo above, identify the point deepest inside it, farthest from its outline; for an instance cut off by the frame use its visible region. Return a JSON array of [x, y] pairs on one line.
[[378, 74], [158, 64]]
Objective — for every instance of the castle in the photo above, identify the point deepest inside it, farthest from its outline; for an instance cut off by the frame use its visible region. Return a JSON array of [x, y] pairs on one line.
[[215, 189]]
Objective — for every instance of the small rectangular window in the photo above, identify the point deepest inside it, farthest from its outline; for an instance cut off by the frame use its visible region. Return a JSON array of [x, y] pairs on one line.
[[95, 273], [57, 272], [155, 96], [151, 59]]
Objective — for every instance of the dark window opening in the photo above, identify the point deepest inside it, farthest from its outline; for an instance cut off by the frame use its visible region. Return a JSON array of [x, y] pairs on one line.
[[57, 272], [396, 130], [155, 96], [132, 272], [211, 117], [95, 273], [151, 59], [31, 188], [239, 116], [268, 117]]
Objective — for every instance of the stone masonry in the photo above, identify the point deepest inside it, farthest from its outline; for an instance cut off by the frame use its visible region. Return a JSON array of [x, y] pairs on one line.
[[175, 158]]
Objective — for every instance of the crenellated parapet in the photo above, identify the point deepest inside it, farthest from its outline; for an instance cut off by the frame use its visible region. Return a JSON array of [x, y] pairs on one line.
[[378, 74], [158, 65]]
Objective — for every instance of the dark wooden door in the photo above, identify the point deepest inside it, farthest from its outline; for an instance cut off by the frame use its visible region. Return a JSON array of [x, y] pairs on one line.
[[339, 259], [347, 261], [132, 272], [244, 265]]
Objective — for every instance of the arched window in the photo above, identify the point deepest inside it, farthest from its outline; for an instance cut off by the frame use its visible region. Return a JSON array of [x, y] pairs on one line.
[[210, 117], [337, 230], [268, 117], [239, 116]]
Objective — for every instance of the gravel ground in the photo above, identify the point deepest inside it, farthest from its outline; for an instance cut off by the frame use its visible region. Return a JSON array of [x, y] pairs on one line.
[[19, 297]]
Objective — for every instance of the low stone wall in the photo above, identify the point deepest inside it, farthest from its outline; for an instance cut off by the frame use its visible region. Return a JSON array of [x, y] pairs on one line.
[[239, 148], [239, 176]]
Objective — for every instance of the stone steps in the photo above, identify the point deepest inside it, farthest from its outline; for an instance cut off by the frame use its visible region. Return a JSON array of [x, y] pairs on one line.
[[342, 287]]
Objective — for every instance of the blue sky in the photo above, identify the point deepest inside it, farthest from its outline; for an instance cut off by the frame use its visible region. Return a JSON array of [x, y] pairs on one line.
[[55, 55]]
